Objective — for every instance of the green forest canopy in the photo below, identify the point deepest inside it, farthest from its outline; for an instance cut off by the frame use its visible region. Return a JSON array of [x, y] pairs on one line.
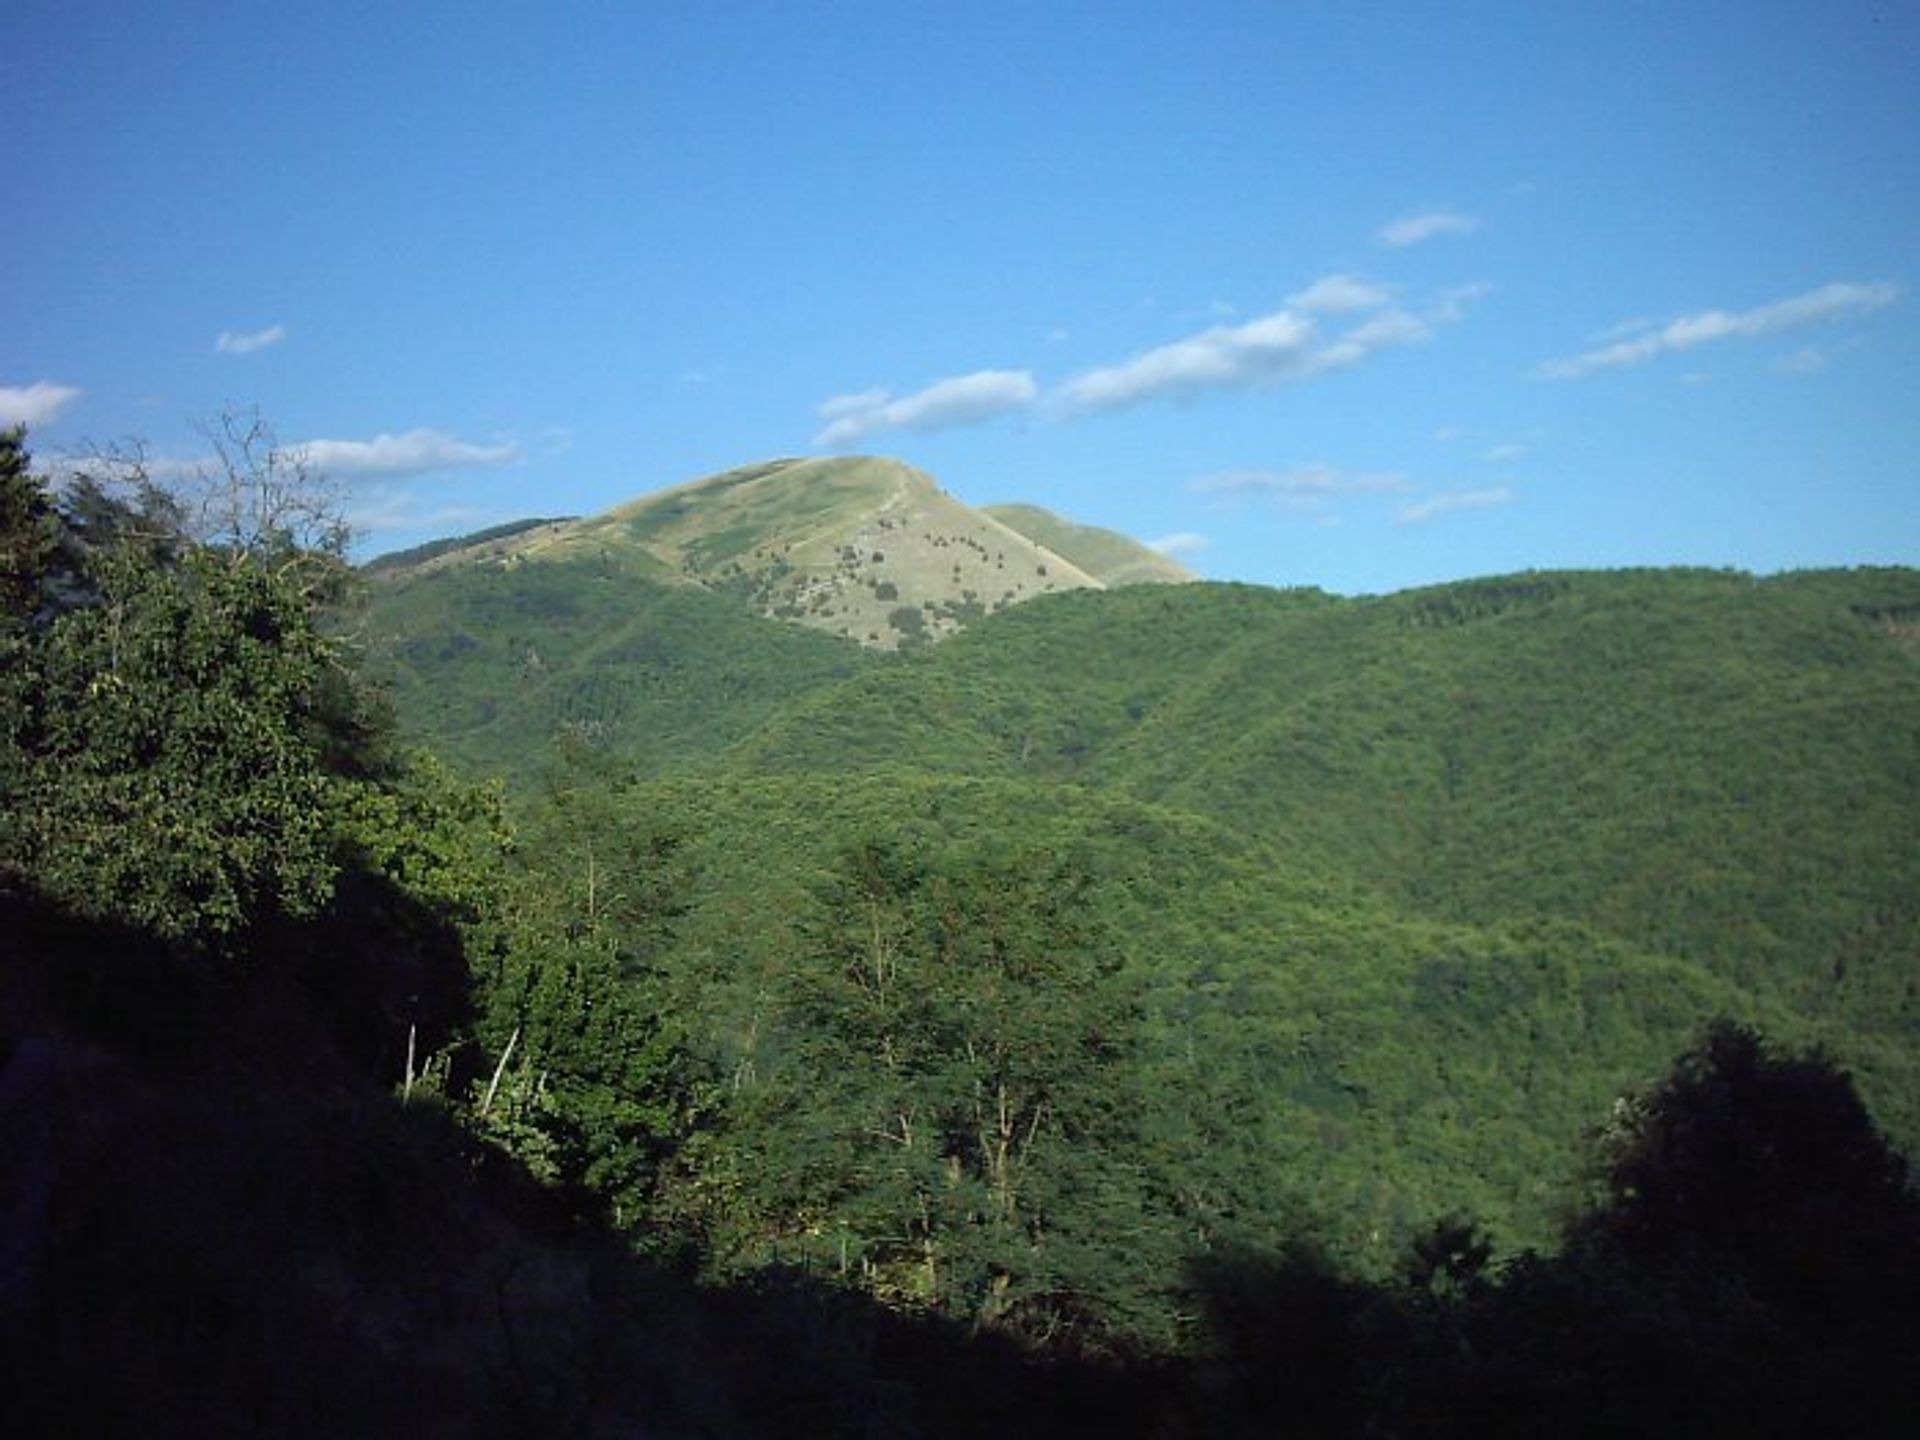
[[1043, 981]]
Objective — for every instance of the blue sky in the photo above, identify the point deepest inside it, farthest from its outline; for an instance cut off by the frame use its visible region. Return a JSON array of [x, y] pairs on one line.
[[1360, 296]]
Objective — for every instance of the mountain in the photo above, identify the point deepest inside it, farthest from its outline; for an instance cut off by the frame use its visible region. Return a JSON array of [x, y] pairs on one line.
[[868, 549], [645, 630], [1110, 557], [1408, 886], [1375, 904]]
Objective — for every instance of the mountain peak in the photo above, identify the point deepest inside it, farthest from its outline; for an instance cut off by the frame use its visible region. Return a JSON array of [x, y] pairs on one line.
[[865, 547]]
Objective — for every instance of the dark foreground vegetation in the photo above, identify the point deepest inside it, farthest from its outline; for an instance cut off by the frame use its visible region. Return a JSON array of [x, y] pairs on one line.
[[339, 1096]]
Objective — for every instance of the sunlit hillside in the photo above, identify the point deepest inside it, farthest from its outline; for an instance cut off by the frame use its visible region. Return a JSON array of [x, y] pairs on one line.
[[867, 549]]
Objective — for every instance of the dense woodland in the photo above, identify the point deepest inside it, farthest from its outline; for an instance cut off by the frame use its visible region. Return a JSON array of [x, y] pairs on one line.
[[1171, 1011]]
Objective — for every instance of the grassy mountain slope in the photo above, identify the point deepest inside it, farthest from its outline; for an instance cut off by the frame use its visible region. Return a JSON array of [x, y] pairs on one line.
[[868, 549], [1107, 555], [464, 548]]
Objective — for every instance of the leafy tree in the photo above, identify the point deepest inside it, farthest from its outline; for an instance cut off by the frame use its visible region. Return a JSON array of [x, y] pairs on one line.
[[1754, 1164], [173, 721], [590, 1086], [952, 1116], [29, 532], [162, 772]]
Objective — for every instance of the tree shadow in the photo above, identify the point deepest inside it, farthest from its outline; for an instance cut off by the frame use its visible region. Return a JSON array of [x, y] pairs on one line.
[[218, 1218], [1753, 1269]]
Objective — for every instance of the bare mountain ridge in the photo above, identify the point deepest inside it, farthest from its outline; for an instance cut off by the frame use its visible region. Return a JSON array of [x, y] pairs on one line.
[[862, 547]]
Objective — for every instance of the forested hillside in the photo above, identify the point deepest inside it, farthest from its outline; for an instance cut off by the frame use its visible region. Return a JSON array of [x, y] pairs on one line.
[[1394, 894], [1161, 1010], [1704, 764], [496, 666]]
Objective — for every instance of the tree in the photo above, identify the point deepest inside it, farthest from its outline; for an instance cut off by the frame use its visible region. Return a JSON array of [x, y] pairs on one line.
[[589, 1084], [951, 1119], [259, 500], [164, 776], [29, 534], [1758, 1165], [1752, 1262], [168, 710]]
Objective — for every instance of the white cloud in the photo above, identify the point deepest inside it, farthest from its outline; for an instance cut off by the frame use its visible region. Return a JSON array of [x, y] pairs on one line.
[[1503, 454], [1183, 542], [1635, 326], [245, 342], [1423, 510], [961, 400], [1807, 360], [412, 453], [387, 511], [393, 457], [34, 404], [1412, 229], [1273, 347], [1811, 359], [1450, 305], [1829, 302], [1300, 480], [1285, 345], [841, 407], [1338, 294]]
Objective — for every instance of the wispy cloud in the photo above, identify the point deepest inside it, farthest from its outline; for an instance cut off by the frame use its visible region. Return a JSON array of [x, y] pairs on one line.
[[245, 342], [1182, 542], [34, 404], [961, 400], [384, 457], [1811, 359], [415, 452], [1300, 480], [1298, 341], [1503, 454], [1426, 225], [1338, 294], [1315, 490], [386, 511], [1808, 360], [1287, 345], [1420, 511], [1637, 325], [1274, 347], [1449, 305], [1834, 301]]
